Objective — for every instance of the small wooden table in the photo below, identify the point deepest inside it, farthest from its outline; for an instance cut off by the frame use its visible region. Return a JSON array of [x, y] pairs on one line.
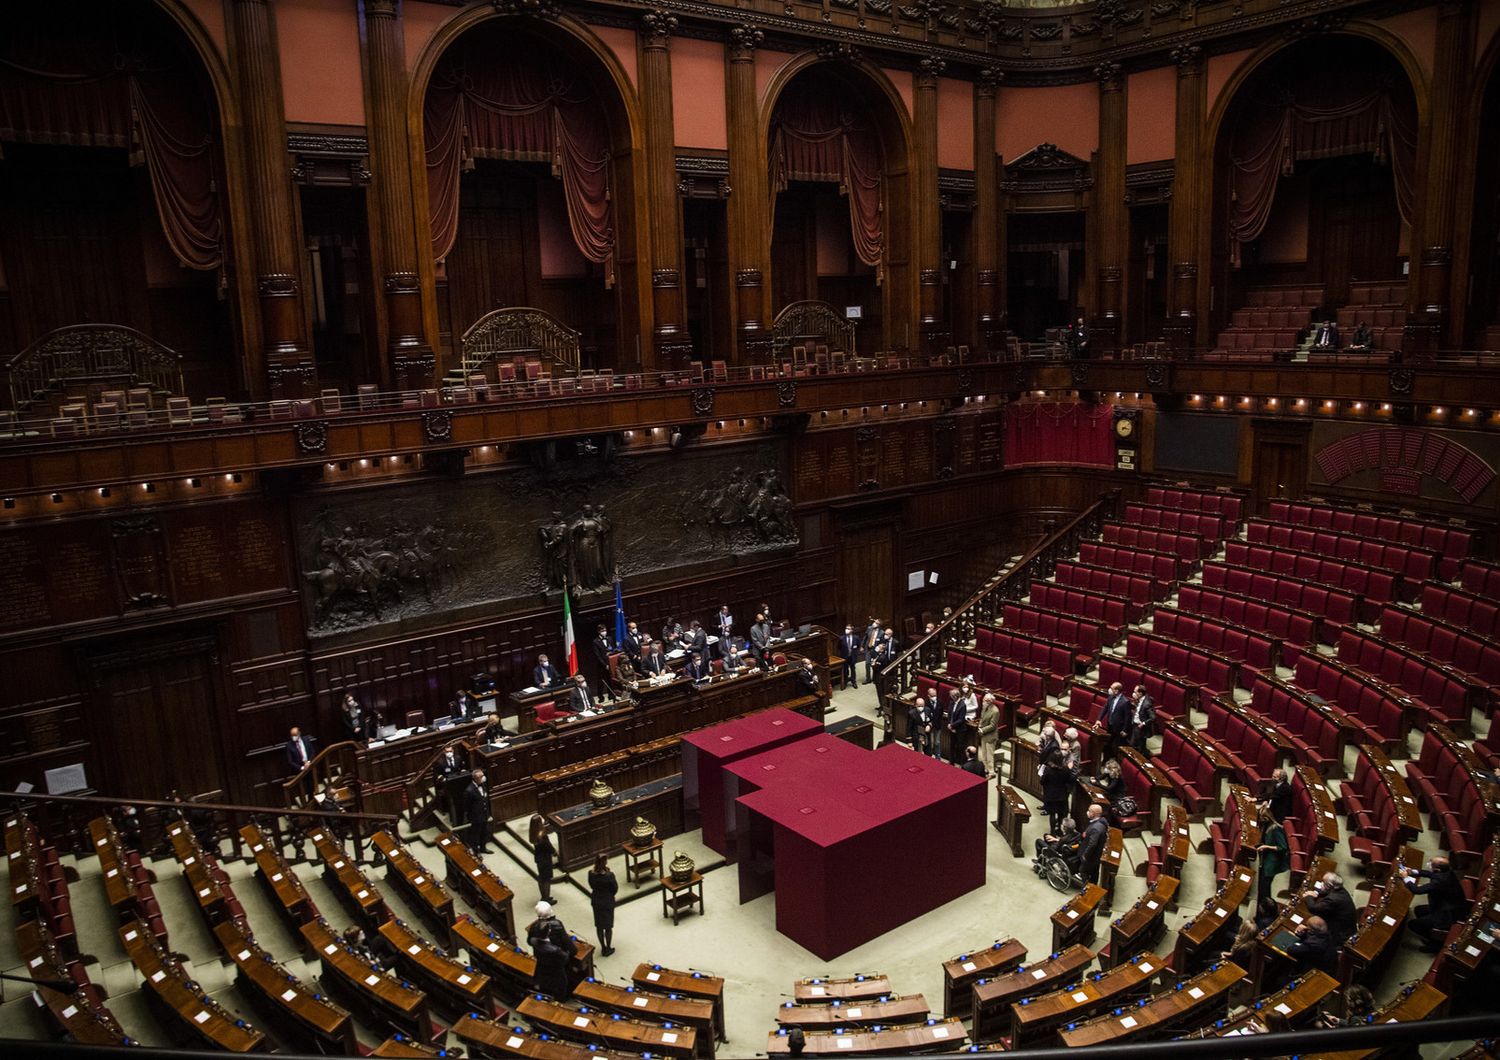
[[677, 897], [642, 863], [1012, 815]]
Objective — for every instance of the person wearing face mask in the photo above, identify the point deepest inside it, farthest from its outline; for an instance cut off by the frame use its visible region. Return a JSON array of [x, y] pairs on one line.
[[850, 647]]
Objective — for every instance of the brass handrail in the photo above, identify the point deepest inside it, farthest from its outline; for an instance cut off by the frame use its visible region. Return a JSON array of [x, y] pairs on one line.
[[519, 329], [98, 352]]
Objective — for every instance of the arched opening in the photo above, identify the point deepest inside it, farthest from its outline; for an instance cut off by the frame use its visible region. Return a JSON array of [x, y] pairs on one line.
[[837, 153], [1314, 167], [1482, 321], [112, 202], [530, 187]]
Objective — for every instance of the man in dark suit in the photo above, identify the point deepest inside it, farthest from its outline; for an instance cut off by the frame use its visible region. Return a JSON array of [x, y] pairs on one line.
[[1314, 948], [872, 648], [1142, 719], [1327, 336], [299, 749], [1279, 798], [889, 648], [760, 636], [477, 813], [695, 640], [1445, 902], [958, 727], [919, 726], [726, 626], [653, 663], [697, 668], [545, 675], [580, 698], [1095, 835], [466, 706], [633, 645], [601, 649], [811, 684], [449, 771], [1335, 905], [1116, 721], [1078, 339], [850, 648]]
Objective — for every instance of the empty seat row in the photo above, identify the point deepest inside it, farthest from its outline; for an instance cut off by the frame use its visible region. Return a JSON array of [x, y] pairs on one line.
[[1462, 609], [39, 886], [1174, 695], [1110, 611], [1316, 734], [1025, 684], [1381, 714], [1254, 748], [1147, 785], [1163, 566], [1229, 505], [1379, 808], [1194, 768], [1204, 524], [1281, 295], [1311, 828], [1462, 649], [1267, 318], [1198, 665], [1056, 659], [1374, 292], [1451, 542], [1416, 564], [1234, 836], [1083, 635], [1288, 625], [1259, 339], [1134, 587], [1375, 586], [1481, 579], [1333, 606], [1251, 651], [1446, 782], [1188, 547], [1437, 692], [1086, 704]]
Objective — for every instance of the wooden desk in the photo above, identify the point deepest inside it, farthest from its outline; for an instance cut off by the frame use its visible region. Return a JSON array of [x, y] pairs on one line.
[[202, 875], [889, 1041], [119, 889], [77, 1015], [857, 730], [1195, 1000], [1144, 923], [677, 898], [1109, 867], [347, 881], [286, 890], [627, 1034], [192, 1014], [426, 895], [1323, 813], [1025, 766], [315, 1020], [1201, 933], [962, 972], [701, 985], [1298, 1001], [654, 1008], [450, 984], [993, 998], [585, 831], [642, 863], [853, 988], [487, 1038], [1176, 845], [1369, 951], [480, 887], [858, 1014], [1416, 1002], [1074, 922], [1010, 815], [1269, 951], [1400, 792], [1037, 1018], [365, 987], [401, 1045], [511, 969]]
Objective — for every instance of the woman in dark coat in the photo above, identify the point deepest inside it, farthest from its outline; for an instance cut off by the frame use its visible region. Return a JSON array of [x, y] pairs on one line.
[[552, 947], [602, 890], [544, 853], [1057, 788]]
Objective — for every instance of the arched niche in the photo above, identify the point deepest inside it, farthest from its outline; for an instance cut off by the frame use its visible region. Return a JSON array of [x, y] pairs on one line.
[[809, 214], [510, 190]]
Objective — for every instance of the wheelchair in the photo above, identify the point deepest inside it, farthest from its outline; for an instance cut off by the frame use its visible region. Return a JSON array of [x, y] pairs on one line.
[[1054, 868]]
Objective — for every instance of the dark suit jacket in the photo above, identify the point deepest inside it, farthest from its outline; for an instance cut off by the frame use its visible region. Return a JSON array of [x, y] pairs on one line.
[[1095, 835], [631, 645], [1280, 800], [446, 769], [580, 698], [477, 808], [696, 640], [851, 646], [546, 676], [917, 719], [652, 664], [601, 653], [697, 670], [293, 759], [760, 636], [1443, 890], [1117, 711], [1337, 907], [1146, 708], [1314, 949]]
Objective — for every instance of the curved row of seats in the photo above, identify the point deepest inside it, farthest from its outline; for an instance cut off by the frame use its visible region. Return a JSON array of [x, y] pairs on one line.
[[1374, 586], [1139, 589], [1163, 566], [1480, 578], [1198, 665], [1254, 747], [1081, 634], [1250, 651], [1111, 612], [1335, 607], [1024, 683], [1316, 734], [1195, 768], [1370, 708], [1462, 807], [1380, 810], [1312, 828], [1203, 524], [1187, 547], [1416, 564], [39, 887], [1461, 608], [1229, 505], [1437, 692], [1292, 625], [1463, 650], [1053, 658], [1452, 543], [1174, 696]]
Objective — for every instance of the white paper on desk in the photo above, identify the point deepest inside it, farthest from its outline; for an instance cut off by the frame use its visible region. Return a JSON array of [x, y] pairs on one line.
[[968, 966], [652, 976], [854, 1013], [414, 949], [492, 947], [1128, 1022], [111, 874], [1039, 973], [371, 980], [668, 1037], [512, 1042], [287, 995], [202, 1017], [1284, 1009], [1080, 997], [1196, 993], [463, 980], [130, 935], [940, 1032], [580, 1021], [418, 881], [69, 1012], [844, 1043], [817, 991], [158, 975], [641, 1002], [529, 690], [35, 962], [243, 955], [330, 949]]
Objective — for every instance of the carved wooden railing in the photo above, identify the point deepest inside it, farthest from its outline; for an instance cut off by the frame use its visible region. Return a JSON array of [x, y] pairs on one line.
[[337, 763], [91, 353], [504, 333], [900, 676], [801, 321]]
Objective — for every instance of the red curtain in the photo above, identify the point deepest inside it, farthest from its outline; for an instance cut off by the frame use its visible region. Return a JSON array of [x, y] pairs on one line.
[[89, 94], [813, 138], [1055, 432], [520, 109], [1318, 118]]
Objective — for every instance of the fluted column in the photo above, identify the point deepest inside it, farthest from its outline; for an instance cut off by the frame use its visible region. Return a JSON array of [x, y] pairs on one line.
[[286, 348], [1183, 231], [670, 341], [1433, 234], [989, 289], [749, 200], [1110, 218], [409, 360], [933, 328]]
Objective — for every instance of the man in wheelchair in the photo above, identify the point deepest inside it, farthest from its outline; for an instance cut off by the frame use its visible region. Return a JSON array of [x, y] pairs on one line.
[[1068, 845]]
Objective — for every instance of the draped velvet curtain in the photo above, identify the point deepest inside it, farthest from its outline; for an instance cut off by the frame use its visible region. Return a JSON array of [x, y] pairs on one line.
[[1311, 119], [518, 108], [814, 138], [1056, 432], [100, 92]]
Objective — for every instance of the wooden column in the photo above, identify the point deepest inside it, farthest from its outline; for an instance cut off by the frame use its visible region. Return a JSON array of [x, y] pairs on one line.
[[749, 201], [1181, 331], [670, 341], [409, 360], [989, 290], [1110, 218], [285, 343], [931, 326], [1431, 283]]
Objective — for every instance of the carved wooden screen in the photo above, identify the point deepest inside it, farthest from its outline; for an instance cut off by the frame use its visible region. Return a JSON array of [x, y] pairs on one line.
[[519, 330], [801, 323], [91, 353]]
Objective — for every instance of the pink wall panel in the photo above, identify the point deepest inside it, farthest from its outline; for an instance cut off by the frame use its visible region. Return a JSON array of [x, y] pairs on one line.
[[1418, 30], [1220, 69], [622, 43], [210, 14], [955, 124], [698, 106], [901, 79], [1065, 115], [419, 22], [320, 69], [1151, 114], [766, 64]]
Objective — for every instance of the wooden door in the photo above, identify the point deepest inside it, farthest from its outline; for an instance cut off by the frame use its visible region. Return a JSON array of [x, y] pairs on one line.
[[153, 711], [866, 575], [1280, 471]]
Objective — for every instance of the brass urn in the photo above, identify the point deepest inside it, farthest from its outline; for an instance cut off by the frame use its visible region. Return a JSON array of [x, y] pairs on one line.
[[681, 867], [601, 794], [642, 832]]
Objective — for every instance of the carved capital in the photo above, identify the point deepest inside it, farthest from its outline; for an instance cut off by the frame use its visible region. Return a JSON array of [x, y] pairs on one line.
[[530, 8], [928, 72], [1189, 59], [744, 39], [382, 8], [930, 278], [312, 438], [1185, 270], [1109, 75], [990, 80], [277, 285], [1437, 255], [841, 52], [657, 27], [987, 277]]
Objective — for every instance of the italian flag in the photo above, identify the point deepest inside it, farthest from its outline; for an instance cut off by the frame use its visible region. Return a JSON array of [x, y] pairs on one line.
[[570, 647]]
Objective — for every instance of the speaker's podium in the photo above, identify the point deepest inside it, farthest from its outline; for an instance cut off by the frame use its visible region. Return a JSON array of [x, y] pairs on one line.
[[854, 842]]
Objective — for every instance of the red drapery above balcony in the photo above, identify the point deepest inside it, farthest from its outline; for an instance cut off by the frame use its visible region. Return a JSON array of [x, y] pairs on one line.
[[1055, 432]]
